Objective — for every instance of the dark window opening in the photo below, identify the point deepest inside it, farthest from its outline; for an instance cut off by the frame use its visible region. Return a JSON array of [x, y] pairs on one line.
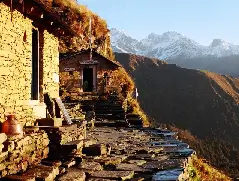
[[71, 72], [35, 65], [88, 79]]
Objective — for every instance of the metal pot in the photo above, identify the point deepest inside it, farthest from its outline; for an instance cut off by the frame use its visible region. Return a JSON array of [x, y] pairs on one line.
[[11, 126]]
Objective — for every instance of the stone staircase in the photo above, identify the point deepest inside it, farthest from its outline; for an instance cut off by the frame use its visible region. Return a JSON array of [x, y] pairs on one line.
[[134, 120], [110, 113]]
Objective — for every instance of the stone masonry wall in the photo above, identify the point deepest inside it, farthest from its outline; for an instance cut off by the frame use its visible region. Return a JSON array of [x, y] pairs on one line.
[[51, 64], [19, 153], [16, 70]]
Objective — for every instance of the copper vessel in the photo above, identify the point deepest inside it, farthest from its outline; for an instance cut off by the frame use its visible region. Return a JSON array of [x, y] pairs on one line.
[[11, 126]]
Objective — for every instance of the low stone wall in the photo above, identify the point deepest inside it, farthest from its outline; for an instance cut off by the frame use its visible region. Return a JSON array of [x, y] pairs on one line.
[[60, 136], [19, 153]]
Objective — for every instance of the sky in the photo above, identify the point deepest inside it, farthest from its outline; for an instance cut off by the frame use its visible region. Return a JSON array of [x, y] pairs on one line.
[[201, 20]]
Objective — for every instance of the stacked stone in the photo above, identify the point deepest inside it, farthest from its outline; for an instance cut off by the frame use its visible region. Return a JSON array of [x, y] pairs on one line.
[[60, 137], [75, 111], [3, 153], [21, 152]]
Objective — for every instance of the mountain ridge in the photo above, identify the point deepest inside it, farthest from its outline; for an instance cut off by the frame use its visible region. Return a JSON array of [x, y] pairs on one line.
[[220, 56], [169, 45]]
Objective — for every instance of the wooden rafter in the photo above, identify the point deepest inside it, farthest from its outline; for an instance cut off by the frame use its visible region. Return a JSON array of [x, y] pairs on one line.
[[40, 16]]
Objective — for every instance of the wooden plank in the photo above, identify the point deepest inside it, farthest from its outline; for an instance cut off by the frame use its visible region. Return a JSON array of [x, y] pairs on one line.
[[63, 110]]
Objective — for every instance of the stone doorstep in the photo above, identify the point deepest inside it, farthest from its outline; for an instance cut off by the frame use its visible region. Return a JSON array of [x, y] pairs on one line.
[[122, 175]]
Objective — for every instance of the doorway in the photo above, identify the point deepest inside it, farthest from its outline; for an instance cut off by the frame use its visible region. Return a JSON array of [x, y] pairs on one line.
[[35, 65], [88, 79]]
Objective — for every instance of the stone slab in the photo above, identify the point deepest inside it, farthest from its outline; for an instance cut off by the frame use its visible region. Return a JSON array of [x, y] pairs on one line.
[[100, 179], [162, 165], [137, 162], [88, 142], [19, 178], [109, 160], [42, 172], [55, 163], [57, 122], [90, 167], [73, 174], [95, 150], [131, 167], [69, 163], [122, 175], [78, 144]]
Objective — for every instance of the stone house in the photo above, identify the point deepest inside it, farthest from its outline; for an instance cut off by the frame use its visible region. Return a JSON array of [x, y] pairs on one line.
[[29, 58], [79, 73]]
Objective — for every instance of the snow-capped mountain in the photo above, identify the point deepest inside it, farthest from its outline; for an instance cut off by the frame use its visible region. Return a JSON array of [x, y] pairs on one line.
[[122, 43], [170, 45]]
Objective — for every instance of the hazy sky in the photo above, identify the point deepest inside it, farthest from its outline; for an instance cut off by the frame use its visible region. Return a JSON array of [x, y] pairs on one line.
[[201, 20]]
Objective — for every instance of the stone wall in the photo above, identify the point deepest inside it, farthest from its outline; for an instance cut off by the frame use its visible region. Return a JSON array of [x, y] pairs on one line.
[[60, 137], [16, 70], [19, 153]]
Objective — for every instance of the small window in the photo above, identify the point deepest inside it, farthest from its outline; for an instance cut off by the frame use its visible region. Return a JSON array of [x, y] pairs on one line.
[[71, 73]]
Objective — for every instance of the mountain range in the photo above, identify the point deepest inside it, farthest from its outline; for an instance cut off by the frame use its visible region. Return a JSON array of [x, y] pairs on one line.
[[220, 56]]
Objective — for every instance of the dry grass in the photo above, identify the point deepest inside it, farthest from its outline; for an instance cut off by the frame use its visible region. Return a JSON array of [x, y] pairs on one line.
[[133, 105], [205, 172], [225, 84], [124, 86], [77, 17]]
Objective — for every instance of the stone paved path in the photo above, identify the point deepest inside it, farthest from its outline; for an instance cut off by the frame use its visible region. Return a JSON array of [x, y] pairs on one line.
[[142, 151], [114, 153]]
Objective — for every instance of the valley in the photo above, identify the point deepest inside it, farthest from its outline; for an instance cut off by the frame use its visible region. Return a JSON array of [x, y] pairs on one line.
[[200, 105]]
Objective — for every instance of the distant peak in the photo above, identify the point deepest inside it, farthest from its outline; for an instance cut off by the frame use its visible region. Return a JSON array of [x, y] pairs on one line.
[[217, 42], [152, 35], [172, 33], [116, 31]]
